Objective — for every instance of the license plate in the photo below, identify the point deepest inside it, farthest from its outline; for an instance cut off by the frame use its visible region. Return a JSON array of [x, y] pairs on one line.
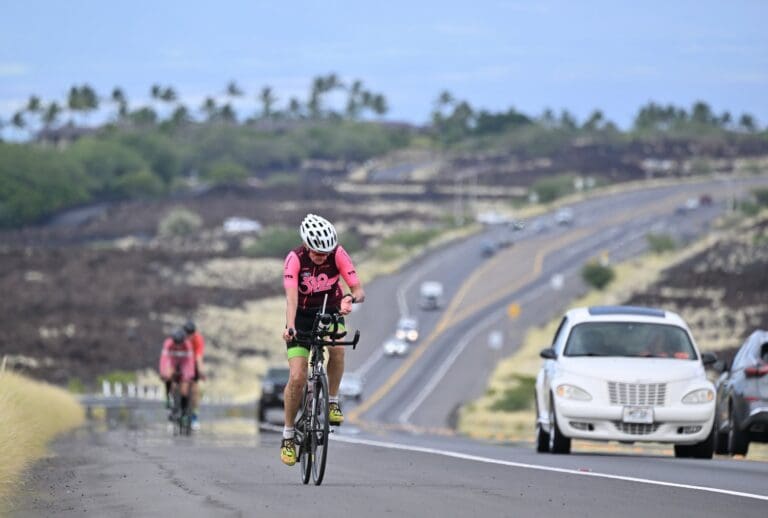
[[638, 414]]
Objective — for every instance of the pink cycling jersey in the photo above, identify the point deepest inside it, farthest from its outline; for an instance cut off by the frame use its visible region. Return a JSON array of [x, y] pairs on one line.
[[177, 356], [314, 281]]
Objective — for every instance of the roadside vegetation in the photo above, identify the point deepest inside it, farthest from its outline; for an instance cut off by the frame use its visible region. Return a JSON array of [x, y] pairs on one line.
[[31, 415], [165, 147]]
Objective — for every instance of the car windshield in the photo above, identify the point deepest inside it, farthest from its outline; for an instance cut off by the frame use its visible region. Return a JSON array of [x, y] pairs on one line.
[[406, 323], [629, 339]]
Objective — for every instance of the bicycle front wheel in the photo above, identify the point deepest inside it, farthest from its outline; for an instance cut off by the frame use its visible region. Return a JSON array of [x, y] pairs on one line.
[[320, 429], [303, 427]]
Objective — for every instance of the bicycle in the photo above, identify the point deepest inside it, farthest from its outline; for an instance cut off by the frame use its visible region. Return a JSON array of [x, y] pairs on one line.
[[182, 421], [312, 425]]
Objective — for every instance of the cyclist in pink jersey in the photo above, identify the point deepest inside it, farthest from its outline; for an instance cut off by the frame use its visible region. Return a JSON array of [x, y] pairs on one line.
[[311, 272], [177, 365]]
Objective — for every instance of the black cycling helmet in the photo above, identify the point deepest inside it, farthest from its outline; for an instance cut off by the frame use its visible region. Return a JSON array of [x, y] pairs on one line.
[[189, 327], [179, 336]]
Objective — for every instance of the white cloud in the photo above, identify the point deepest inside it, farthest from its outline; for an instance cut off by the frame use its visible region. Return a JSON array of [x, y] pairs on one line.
[[13, 69]]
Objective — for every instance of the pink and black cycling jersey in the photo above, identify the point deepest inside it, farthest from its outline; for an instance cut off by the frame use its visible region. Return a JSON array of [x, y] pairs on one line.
[[177, 357], [314, 281]]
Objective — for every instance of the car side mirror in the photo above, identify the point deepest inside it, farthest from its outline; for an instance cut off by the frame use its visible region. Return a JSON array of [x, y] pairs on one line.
[[720, 366], [548, 354], [708, 359]]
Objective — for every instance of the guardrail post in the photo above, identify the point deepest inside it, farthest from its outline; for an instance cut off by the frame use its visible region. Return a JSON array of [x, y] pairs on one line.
[[105, 388], [118, 389], [131, 390]]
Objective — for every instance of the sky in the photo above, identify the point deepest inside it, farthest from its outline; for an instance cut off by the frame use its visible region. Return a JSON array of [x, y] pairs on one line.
[[613, 55]]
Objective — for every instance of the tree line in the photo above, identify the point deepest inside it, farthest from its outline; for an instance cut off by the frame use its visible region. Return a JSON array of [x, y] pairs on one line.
[[139, 153], [83, 100]]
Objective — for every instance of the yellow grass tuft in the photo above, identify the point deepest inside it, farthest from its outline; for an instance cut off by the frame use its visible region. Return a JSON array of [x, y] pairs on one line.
[[31, 414]]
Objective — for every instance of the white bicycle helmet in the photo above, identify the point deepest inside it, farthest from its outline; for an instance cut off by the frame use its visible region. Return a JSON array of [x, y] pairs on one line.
[[318, 234]]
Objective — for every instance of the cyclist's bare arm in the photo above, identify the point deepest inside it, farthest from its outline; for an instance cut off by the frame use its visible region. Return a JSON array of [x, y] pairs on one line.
[[292, 302]]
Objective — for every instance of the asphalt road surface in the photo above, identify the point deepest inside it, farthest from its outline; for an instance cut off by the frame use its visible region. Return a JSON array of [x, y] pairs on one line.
[[397, 455]]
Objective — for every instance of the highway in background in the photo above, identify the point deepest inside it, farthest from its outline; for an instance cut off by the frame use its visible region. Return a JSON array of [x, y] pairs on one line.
[[398, 454]]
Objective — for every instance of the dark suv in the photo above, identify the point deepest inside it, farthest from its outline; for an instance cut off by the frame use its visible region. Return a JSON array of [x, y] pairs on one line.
[[742, 397], [272, 387]]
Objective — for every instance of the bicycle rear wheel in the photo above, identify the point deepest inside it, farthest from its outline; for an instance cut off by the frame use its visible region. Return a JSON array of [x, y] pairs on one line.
[[320, 429], [303, 424]]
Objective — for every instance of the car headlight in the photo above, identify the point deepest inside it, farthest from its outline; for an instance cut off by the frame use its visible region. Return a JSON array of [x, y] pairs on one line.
[[400, 334], [413, 335], [268, 387], [697, 397], [573, 392]]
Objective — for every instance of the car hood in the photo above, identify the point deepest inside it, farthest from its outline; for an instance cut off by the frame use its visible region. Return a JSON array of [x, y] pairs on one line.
[[632, 370]]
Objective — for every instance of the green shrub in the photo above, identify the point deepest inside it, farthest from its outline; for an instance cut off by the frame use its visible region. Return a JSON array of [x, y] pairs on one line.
[[549, 189], [282, 180], [749, 208], [597, 275], [273, 242], [761, 196], [179, 222], [76, 386], [660, 243], [411, 238], [226, 171], [519, 397]]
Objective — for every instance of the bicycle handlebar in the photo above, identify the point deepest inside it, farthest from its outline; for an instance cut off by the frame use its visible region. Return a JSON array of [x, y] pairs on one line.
[[326, 326]]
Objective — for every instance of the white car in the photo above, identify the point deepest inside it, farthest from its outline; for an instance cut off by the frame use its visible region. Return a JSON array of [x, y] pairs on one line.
[[407, 329], [351, 386], [564, 216], [395, 347], [628, 374]]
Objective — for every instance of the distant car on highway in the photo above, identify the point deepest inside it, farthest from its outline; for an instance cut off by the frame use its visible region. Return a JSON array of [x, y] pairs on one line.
[[564, 216], [272, 387], [487, 248], [430, 295], [407, 329], [742, 397], [394, 346], [351, 386], [628, 374]]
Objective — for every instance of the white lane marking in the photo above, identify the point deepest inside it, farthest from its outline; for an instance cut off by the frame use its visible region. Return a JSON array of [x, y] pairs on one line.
[[488, 460]]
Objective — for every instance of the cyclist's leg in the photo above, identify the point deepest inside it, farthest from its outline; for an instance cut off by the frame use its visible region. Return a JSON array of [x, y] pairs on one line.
[[335, 364], [297, 379]]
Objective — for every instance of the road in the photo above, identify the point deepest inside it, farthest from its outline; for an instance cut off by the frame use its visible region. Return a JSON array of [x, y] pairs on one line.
[[398, 455]]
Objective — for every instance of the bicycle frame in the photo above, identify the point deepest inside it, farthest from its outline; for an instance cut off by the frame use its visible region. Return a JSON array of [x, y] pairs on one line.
[[312, 425]]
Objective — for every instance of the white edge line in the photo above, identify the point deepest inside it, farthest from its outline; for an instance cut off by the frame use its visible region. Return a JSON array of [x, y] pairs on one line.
[[487, 460]]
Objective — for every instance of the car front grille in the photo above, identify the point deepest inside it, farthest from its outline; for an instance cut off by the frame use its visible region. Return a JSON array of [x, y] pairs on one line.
[[636, 428], [643, 394]]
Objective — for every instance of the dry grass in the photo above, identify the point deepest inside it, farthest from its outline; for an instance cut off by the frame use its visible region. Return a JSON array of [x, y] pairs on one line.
[[31, 414]]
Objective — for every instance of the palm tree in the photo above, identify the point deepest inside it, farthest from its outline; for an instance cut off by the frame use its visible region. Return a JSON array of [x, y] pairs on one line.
[[227, 114], [294, 108], [90, 99], [17, 121], [379, 105], [209, 109], [315, 93], [354, 99], [747, 122], [233, 90], [74, 100], [180, 116], [267, 101], [594, 121], [118, 97], [51, 114]]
